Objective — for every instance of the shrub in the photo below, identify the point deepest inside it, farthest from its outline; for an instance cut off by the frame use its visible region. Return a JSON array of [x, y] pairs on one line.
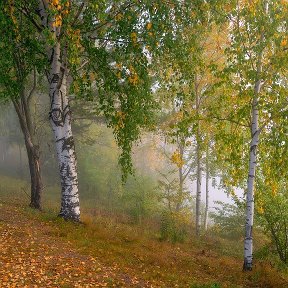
[[228, 220], [174, 227], [274, 218]]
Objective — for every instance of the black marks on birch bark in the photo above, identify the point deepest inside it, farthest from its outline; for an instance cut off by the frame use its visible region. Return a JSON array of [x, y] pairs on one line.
[[55, 78], [60, 79], [56, 115], [247, 266], [249, 230], [67, 211], [51, 56], [253, 149], [59, 115], [68, 144], [67, 173]]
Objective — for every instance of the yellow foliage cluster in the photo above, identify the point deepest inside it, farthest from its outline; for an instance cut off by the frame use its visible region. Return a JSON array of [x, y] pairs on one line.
[[179, 116], [133, 36], [62, 10], [176, 158], [74, 35], [252, 7], [149, 26], [133, 78], [119, 68], [121, 117], [274, 189], [283, 42], [119, 17], [260, 210], [55, 4], [58, 21], [273, 186]]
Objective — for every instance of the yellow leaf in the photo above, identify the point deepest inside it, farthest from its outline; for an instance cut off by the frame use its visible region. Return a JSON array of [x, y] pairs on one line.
[[119, 17], [133, 36], [260, 210], [55, 2], [149, 26], [133, 79], [176, 158], [283, 42]]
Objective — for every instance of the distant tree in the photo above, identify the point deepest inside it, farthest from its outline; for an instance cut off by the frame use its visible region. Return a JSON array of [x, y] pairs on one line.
[[256, 65], [18, 84], [190, 77]]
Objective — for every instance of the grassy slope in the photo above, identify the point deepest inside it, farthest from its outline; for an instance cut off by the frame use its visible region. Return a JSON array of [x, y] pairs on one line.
[[197, 263]]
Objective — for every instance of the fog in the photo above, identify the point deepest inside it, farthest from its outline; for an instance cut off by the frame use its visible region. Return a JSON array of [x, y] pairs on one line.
[[99, 173]]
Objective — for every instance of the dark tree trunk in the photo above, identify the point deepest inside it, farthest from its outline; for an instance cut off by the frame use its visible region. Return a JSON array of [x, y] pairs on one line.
[[33, 151], [35, 175]]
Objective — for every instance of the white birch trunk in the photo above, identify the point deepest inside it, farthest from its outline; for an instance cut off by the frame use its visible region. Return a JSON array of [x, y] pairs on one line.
[[60, 119], [248, 241], [198, 189], [181, 181], [255, 134], [198, 168], [207, 191]]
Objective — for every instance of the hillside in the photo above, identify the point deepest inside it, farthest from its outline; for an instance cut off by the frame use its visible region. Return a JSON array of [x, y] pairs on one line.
[[40, 250]]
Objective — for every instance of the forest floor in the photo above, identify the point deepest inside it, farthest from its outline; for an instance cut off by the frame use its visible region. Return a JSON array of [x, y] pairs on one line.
[[40, 250]]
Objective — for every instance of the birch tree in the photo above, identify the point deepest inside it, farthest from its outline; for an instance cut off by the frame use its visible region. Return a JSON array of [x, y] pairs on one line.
[[193, 90], [254, 58], [100, 50], [207, 178]]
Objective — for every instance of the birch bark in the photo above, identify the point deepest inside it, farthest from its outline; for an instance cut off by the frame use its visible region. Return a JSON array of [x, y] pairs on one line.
[[181, 180], [207, 190], [255, 133], [248, 241], [60, 119], [198, 168], [198, 195]]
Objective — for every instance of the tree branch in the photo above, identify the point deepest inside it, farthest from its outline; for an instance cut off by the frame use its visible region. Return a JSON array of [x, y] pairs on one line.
[[113, 17], [229, 120], [29, 97], [28, 16]]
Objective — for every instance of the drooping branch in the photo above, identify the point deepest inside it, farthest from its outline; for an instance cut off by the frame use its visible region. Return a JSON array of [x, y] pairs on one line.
[[129, 5]]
